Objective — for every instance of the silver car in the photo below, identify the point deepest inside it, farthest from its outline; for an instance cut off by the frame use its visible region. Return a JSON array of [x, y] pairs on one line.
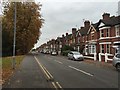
[[116, 61], [74, 55]]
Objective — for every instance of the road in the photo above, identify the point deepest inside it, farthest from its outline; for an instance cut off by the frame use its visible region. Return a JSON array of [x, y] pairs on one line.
[[78, 74], [46, 71]]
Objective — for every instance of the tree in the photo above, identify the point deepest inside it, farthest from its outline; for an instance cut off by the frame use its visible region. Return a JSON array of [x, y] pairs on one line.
[[66, 49], [29, 22]]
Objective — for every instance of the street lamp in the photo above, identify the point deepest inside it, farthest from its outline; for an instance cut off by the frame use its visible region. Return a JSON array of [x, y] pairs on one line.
[[14, 39]]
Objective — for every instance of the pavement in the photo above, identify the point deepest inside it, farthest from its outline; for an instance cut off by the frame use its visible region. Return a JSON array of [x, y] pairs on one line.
[[29, 75], [100, 64]]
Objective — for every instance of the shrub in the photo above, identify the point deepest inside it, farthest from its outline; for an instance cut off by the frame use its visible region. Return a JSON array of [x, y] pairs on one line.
[[65, 53]]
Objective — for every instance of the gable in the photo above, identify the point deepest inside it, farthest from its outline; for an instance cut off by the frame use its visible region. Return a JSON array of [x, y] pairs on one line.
[[78, 34], [91, 29], [101, 24]]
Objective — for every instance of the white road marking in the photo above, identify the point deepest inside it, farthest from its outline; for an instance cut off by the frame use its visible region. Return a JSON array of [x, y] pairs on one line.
[[55, 84], [58, 85], [42, 68], [81, 71], [58, 61]]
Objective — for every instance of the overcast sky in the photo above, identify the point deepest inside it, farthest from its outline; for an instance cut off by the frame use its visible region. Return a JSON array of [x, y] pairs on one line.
[[61, 16]]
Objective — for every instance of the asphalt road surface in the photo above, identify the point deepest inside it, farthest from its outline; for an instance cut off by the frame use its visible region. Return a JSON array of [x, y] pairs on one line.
[[78, 74], [46, 71]]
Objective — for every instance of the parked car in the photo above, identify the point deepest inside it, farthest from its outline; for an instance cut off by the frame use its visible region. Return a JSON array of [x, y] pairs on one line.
[[74, 55], [54, 53], [116, 61]]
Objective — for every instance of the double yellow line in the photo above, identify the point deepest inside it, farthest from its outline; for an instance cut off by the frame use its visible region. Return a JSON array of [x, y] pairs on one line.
[[49, 77]]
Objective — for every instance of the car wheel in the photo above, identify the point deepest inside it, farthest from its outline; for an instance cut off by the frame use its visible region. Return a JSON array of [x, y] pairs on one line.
[[73, 59], [118, 67]]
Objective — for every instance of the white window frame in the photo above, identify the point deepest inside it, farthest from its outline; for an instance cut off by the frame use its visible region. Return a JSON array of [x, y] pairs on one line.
[[60, 46], [107, 48], [83, 39], [101, 34], [108, 29], [78, 39], [101, 49], [92, 49], [117, 30]]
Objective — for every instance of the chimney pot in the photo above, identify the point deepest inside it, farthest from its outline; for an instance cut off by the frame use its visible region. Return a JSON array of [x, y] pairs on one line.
[[81, 27], [73, 30], [87, 23], [106, 16], [66, 34]]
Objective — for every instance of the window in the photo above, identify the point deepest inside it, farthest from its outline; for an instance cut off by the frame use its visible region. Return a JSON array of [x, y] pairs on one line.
[[118, 55], [74, 40], [60, 46], [92, 49], [92, 36], [117, 29], [102, 48], [108, 48], [86, 38], [102, 33], [78, 39], [83, 38], [107, 32]]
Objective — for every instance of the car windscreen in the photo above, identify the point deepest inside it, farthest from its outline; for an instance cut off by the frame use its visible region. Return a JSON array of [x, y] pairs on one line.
[[118, 55]]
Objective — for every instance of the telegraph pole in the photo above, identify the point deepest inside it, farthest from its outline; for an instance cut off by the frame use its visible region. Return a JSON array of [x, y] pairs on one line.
[[14, 39]]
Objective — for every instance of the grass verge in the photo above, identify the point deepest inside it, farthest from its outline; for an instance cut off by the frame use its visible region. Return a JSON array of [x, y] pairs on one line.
[[7, 66]]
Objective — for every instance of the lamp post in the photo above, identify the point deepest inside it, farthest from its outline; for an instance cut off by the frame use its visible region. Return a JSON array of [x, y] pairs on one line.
[[14, 39]]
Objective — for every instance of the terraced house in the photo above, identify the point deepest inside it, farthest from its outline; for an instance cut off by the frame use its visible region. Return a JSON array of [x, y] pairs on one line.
[[97, 41], [102, 38]]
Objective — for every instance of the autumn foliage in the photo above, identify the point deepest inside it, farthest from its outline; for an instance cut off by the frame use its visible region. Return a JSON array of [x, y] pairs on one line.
[[28, 25]]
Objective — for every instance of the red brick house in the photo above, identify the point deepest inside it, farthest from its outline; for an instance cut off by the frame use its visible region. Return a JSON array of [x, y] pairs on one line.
[[81, 37], [97, 41], [102, 37], [58, 45], [109, 35]]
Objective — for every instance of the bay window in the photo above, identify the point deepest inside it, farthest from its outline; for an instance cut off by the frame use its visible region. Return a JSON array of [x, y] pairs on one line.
[[107, 48], [107, 32], [101, 33], [117, 29], [92, 49], [102, 48]]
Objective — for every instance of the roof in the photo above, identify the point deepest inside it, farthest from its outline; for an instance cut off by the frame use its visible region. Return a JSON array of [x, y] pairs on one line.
[[95, 25], [84, 30], [69, 36], [112, 21]]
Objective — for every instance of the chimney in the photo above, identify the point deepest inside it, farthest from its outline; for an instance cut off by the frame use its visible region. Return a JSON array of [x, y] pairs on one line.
[[66, 34], [87, 23], [81, 27], [106, 16], [73, 30], [63, 35]]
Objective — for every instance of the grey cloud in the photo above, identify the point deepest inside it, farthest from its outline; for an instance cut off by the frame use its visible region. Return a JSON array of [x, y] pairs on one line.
[[60, 17]]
